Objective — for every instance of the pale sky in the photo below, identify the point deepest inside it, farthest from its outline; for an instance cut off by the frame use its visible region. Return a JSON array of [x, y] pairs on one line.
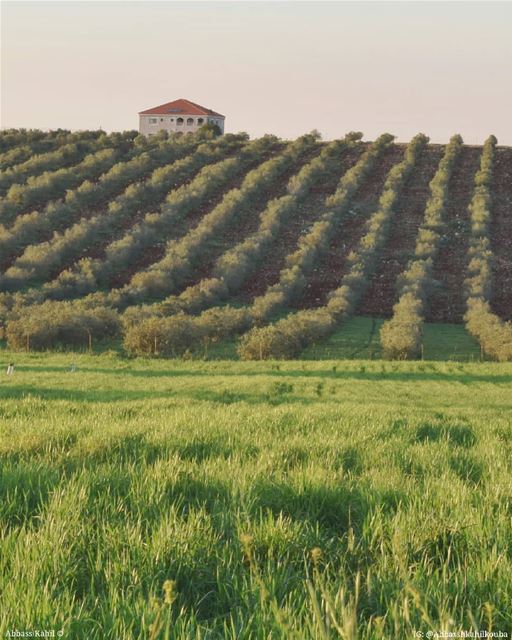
[[270, 67]]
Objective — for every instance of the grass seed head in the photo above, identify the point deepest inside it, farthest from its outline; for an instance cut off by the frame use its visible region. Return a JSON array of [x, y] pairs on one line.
[[169, 591], [316, 555]]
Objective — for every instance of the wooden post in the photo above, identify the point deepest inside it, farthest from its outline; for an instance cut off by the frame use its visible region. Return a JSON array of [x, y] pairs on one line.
[[90, 339], [28, 341]]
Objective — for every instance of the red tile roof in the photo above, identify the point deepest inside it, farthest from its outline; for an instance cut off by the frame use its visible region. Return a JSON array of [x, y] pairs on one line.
[[181, 106]]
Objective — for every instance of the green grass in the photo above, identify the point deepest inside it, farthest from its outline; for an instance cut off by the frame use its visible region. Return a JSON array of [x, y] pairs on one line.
[[224, 476], [359, 337], [449, 342]]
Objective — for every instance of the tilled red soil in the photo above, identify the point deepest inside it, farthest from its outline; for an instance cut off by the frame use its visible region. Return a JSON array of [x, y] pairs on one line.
[[329, 270], [501, 233], [309, 210], [447, 303], [382, 293]]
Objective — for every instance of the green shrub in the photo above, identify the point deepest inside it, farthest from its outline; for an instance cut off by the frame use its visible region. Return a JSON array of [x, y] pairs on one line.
[[161, 336], [54, 325]]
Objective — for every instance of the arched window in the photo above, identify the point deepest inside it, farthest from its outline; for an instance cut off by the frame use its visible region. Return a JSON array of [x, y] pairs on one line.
[[190, 120], [200, 121], [179, 121]]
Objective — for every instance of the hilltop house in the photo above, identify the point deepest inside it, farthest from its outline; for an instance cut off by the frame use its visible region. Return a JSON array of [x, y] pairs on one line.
[[179, 116]]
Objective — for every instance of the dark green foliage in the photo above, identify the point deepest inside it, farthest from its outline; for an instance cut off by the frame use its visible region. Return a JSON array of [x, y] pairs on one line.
[[209, 129]]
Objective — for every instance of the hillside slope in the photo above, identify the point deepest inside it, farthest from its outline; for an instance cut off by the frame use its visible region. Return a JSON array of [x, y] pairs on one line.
[[198, 228]]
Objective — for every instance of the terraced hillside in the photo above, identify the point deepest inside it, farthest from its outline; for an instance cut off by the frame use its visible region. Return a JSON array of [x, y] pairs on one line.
[[185, 244]]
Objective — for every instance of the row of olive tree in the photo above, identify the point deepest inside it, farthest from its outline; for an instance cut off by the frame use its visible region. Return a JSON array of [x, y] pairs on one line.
[[51, 141], [38, 226], [171, 220], [12, 179], [219, 322], [20, 154], [208, 172], [493, 334], [78, 324], [182, 254], [233, 267], [401, 336], [40, 261], [11, 138], [50, 185], [289, 336], [147, 334], [299, 264], [60, 325]]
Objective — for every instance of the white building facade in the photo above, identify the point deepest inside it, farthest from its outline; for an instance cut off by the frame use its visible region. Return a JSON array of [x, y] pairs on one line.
[[179, 116]]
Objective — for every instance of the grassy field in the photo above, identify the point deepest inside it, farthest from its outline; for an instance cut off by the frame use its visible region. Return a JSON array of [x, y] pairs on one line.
[[295, 500], [358, 338]]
